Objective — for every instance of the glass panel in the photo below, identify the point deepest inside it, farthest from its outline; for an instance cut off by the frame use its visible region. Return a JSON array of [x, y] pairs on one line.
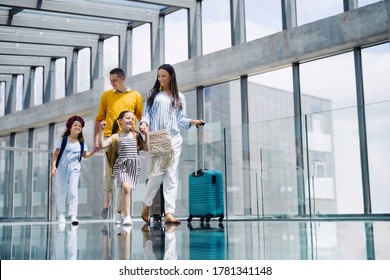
[[176, 37], [110, 58], [215, 20], [380, 238], [376, 61], [60, 78], [2, 98], [20, 176], [38, 86], [39, 242], [141, 58], [222, 108], [337, 241], [378, 136], [188, 156], [362, 3], [41, 165], [262, 18], [272, 172], [91, 177], [328, 84], [5, 156], [334, 162], [84, 70], [19, 92], [309, 11], [270, 95]]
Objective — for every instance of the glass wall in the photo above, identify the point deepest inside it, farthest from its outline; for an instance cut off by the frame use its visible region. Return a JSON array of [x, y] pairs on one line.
[[309, 11], [60, 72], [262, 18], [38, 86], [20, 187], [215, 20], [5, 156], [19, 92], [376, 61], [41, 165], [141, 60], [176, 46], [333, 137], [2, 98], [84, 70], [110, 59]]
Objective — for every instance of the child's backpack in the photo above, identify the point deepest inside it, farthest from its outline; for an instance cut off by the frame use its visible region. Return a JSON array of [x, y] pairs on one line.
[[63, 145], [112, 151]]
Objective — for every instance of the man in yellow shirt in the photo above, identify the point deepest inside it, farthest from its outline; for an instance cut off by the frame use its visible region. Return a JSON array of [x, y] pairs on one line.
[[112, 103]]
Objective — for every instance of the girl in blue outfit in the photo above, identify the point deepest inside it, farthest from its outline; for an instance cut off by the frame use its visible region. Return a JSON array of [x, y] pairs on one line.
[[127, 165], [68, 167]]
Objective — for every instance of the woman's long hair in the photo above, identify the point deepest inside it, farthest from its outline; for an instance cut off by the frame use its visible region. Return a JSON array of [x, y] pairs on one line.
[[176, 102], [115, 125]]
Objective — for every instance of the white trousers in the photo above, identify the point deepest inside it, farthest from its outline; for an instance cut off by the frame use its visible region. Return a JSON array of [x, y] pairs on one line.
[[169, 180], [67, 187]]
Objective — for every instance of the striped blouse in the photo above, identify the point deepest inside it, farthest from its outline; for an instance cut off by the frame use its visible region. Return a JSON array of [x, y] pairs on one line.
[[162, 115]]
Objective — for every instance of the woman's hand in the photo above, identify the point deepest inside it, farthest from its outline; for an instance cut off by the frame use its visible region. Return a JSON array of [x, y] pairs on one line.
[[143, 128], [197, 122]]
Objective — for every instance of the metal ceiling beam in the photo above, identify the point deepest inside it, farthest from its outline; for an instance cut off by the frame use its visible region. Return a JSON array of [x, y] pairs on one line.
[[22, 50], [11, 14], [53, 23], [24, 61], [171, 3], [47, 37], [28, 61], [86, 9]]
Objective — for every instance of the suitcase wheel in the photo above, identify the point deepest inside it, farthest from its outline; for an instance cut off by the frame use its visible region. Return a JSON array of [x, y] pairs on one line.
[[156, 218], [189, 219], [221, 218]]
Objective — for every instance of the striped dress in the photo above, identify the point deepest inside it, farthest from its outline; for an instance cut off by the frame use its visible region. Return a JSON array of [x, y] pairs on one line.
[[127, 166]]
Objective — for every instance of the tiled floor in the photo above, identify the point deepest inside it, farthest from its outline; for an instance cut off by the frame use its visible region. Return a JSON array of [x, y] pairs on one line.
[[231, 240]]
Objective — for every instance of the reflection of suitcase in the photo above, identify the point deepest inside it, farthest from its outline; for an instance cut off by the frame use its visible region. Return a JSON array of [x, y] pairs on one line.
[[206, 197], [157, 207], [158, 238], [207, 243]]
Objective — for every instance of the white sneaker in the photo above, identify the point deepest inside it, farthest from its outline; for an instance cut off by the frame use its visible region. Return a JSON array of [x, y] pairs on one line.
[[74, 220], [61, 218], [118, 219], [127, 221]]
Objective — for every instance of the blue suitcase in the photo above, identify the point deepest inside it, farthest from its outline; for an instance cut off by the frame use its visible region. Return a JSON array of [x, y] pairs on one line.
[[206, 195]]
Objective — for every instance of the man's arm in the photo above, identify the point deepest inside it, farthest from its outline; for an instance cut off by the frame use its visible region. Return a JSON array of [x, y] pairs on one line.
[[96, 134], [139, 108]]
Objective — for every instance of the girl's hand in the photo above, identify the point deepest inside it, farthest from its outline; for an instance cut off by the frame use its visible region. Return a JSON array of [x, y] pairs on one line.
[[53, 171], [102, 125]]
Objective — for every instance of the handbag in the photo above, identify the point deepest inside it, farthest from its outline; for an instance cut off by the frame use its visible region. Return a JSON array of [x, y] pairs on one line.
[[161, 152]]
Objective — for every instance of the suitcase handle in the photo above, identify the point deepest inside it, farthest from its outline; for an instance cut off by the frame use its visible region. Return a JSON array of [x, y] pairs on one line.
[[198, 173], [197, 149]]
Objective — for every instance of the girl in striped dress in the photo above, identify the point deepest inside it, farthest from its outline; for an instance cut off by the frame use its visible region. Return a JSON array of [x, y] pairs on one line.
[[127, 164]]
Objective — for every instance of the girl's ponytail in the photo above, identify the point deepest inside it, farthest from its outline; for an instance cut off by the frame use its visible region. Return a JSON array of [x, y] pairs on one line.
[[115, 127]]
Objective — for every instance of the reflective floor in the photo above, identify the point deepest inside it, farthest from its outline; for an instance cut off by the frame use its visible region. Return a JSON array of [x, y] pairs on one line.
[[230, 240]]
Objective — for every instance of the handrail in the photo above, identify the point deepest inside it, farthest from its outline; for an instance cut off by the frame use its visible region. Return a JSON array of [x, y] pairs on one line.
[[22, 149]]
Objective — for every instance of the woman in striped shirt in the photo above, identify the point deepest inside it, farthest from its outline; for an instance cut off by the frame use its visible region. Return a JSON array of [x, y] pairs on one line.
[[165, 108]]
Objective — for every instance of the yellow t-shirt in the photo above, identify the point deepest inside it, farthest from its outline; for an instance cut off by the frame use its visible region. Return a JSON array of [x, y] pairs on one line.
[[112, 103]]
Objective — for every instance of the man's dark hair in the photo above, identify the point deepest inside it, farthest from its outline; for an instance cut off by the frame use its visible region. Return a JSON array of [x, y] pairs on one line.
[[118, 71]]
